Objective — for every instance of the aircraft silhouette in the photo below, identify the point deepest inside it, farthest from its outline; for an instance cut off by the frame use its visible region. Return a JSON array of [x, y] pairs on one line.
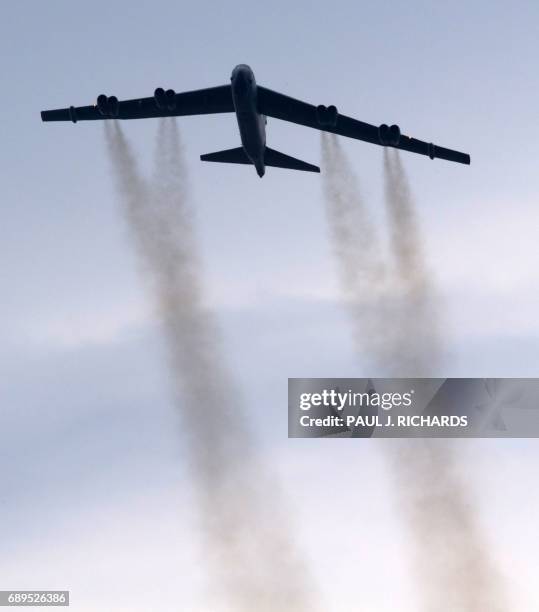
[[252, 104]]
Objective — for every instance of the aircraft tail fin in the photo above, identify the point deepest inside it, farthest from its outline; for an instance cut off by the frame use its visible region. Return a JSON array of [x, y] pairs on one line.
[[229, 156], [280, 160]]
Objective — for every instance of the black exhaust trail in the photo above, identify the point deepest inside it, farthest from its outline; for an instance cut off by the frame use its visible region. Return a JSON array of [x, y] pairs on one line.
[[416, 316], [397, 301], [356, 246], [452, 561], [249, 548]]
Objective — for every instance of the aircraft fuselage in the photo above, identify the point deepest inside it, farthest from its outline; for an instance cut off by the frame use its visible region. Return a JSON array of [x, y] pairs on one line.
[[251, 123]]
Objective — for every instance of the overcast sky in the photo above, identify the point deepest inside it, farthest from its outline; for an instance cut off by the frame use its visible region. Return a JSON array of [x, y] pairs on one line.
[[93, 494]]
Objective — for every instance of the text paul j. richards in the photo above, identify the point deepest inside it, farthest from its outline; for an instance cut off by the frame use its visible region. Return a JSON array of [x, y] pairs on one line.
[[374, 420], [336, 401]]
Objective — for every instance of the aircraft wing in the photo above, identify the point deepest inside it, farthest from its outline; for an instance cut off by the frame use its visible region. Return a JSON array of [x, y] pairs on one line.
[[162, 104], [274, 104]]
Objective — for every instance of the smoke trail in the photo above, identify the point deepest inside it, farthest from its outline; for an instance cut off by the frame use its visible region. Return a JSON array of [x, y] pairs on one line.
[[250, 552], [363, 276], [416, 316], [452, 560], [393, 308], [453, 567]]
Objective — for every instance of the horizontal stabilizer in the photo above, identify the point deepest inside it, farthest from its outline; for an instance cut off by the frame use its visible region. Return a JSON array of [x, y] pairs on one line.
[[280, 160], [229, 156], [271, 158]]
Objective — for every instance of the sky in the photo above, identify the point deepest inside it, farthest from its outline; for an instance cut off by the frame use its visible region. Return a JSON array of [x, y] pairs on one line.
[[94, 494]]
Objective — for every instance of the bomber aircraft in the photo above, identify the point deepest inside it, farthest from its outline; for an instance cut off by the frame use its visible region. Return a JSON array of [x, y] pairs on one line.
[[252, 104]]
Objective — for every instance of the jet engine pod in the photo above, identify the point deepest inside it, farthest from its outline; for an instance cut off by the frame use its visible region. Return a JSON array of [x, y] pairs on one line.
[[383, 134], [394, 135], [103, 104], [326, 116], [389, 135], [170, 95], [113, 106], [108, 106], [332, 115], [160, 98], [321, 112]]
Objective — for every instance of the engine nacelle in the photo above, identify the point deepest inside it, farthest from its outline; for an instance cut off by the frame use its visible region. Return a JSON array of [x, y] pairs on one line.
[[332, 115], [389, 135], [114, 106], [171, 99], [394, 135], [165, 100], [160, 98], [327, 116], [102, 104], [108, 106]]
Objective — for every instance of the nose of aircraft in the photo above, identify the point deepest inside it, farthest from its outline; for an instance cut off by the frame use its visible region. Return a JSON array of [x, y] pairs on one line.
[[241, 72]]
